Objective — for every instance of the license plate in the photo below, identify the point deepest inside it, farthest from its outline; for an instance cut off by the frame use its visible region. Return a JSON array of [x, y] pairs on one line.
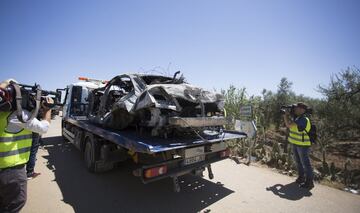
[[194, 155], [193, 160]]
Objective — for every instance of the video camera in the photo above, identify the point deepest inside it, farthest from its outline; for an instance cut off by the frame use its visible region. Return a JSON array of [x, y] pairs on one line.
[[291, 109], [29, 94], [29, 97]]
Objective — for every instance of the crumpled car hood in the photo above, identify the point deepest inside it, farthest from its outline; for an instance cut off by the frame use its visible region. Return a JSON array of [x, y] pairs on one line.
[[189, 92]]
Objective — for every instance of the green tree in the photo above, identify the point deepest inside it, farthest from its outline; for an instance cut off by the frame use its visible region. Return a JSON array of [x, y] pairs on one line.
[[341, 110], [283, 95], [234, 99]]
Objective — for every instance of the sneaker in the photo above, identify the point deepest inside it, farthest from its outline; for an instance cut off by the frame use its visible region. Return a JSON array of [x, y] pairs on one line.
[[32, 175], [307, 185], [300, 180]]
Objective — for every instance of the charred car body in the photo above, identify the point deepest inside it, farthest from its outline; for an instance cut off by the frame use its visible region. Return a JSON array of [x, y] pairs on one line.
[[166, 106]]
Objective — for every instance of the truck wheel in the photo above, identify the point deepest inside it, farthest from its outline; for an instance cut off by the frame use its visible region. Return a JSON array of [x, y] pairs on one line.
[[62, 131], [91, 154], [63, 137], [78, 139]]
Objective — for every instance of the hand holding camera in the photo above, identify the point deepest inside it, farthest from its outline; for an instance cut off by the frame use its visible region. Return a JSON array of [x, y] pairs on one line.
[[287, 110], [47, 103]]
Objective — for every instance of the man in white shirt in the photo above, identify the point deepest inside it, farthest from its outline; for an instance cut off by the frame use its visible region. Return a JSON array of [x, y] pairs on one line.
[[34, 125]]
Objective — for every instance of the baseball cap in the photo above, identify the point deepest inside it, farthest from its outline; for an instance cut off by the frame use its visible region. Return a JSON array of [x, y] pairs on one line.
[[301, 105], [6, 83]]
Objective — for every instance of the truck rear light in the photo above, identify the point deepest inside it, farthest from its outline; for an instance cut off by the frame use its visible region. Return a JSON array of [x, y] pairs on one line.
[[225, 153], [156, 171]]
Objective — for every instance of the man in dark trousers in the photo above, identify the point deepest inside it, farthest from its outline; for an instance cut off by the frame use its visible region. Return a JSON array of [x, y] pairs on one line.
[[15, 144], [299, 127], [30, 166]]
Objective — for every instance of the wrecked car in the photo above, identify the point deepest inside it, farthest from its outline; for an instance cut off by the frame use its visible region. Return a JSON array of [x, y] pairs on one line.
[[163, 105]]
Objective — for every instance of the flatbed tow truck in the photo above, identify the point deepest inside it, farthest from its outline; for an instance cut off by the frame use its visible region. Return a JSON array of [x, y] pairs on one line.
[[155, 157]]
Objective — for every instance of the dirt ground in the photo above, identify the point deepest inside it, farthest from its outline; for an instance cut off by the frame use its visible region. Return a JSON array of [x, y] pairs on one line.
[[66, 186]]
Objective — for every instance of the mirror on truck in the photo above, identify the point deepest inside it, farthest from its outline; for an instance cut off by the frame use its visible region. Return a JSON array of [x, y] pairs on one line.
[[76, 94], [61, 95]]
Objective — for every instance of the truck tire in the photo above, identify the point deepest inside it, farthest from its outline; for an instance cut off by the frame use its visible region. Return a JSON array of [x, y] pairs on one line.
[[62, 131], [91, 153], [78, 139], [63, 137]]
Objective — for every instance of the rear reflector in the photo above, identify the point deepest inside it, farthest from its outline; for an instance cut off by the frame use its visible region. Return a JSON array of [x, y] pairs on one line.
[[156, 171], [225, 153]]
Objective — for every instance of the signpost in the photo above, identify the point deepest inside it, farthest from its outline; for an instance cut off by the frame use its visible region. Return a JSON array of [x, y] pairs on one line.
[[247, 125], [246, 111]]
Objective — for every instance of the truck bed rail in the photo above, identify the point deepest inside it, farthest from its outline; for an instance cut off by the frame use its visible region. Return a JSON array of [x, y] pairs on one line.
[[133, 141]]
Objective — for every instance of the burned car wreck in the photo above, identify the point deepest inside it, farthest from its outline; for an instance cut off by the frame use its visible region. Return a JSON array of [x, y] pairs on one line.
[[163, 106]]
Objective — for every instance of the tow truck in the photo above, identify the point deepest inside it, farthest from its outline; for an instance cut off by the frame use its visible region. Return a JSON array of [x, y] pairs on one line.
[[155, 158]]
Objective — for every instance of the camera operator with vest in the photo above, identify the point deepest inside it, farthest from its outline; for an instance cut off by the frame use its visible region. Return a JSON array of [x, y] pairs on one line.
[[16, 128], [299, 127]]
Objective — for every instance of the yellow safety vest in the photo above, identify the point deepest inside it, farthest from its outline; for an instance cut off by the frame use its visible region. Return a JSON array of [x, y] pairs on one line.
[[300, 138], [14, 147]]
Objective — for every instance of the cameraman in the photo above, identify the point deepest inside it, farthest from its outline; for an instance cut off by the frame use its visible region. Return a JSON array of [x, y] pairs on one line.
[[299, 127], [15, 143]]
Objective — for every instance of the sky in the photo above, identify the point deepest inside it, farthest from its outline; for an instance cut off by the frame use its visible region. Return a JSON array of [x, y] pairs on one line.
[[215, 44]]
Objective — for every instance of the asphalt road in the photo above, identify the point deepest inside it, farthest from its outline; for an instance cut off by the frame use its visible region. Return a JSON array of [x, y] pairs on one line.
[[65, 186]]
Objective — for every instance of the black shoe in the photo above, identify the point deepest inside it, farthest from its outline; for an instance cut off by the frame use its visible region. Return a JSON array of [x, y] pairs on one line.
[[307, 185], [300, 180], [32, 175]]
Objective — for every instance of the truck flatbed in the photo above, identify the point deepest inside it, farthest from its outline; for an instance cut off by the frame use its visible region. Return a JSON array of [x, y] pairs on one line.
[[135, 142], [155, 157]]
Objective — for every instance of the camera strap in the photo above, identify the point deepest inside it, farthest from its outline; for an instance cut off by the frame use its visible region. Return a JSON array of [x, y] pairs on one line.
[[19, 98]]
